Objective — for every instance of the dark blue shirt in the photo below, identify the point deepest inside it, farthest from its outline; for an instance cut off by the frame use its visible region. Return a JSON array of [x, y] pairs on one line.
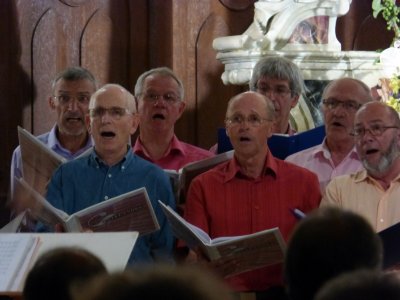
[[85, 181]]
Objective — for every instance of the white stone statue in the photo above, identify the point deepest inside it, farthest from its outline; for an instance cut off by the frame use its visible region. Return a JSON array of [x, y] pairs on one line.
[[276, 21]]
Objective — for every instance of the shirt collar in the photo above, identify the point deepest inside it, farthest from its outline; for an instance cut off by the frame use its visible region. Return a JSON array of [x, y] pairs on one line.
[[177, 146], [360, 176], [322, 150], [233, 168], [363, 176], [174, 146], [96, 161], [54, 143]]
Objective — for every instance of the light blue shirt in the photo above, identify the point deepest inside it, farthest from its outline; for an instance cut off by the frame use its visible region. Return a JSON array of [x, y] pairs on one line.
[[85, 181]]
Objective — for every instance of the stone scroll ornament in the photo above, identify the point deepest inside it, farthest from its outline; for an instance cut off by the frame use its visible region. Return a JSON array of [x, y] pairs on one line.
[[277, 23]]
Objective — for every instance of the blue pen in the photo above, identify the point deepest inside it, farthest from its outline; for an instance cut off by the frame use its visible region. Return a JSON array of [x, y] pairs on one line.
[[298, 213]]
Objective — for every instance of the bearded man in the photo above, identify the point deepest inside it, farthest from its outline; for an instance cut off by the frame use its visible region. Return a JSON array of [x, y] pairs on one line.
[[375, 191]]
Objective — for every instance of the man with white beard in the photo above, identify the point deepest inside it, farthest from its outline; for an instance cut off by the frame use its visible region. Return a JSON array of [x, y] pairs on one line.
[[375, 191]]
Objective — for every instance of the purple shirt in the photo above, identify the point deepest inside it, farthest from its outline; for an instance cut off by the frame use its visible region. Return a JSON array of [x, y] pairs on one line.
[[178, 155], [318, 160]]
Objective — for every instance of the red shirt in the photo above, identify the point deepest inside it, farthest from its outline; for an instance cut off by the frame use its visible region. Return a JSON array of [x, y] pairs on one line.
[[178, 155], [224, 202]]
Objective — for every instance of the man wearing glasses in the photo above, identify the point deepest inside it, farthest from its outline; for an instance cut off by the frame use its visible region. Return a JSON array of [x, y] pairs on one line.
[[112, 169], [160, 99], [71, 91], [375, 191], [251, 192], [281, 81], [336, 155]]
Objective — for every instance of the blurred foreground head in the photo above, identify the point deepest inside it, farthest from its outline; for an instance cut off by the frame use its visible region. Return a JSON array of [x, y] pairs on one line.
[[57, 271], [325, 244], [362, 285], [159, 282]]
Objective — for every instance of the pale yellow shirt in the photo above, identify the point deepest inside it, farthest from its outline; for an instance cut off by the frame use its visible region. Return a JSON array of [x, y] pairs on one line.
[[364, 195]]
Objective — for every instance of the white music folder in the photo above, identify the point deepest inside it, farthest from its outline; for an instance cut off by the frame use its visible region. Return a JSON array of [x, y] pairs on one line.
[[112, 248]]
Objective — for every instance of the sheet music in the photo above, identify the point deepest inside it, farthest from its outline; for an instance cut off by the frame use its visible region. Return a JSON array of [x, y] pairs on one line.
[[13, 254]]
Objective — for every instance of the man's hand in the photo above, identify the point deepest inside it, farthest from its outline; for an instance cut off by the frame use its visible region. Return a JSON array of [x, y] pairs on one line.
[[222, 266]]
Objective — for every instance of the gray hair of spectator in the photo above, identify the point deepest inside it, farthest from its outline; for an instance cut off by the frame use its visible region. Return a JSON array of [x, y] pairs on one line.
[[74, 74], [162, 71], [278, 68], [365, 87]]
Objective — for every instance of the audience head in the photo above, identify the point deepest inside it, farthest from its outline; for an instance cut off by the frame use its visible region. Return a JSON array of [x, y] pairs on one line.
[[281, 81], [377, 136], [362, 285], [71, 91], [159, 94], [325, 244], [112, 121], [59, 270], [249, 120], [340, 101], [159, 282]]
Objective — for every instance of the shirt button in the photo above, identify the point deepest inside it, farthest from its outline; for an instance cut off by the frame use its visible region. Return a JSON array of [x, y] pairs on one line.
[[381, 220], [109, 175], [123, 167], [105, 197]]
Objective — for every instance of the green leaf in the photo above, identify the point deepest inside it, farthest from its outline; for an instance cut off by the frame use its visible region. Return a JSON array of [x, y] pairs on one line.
[[375, 13], [376, 5]]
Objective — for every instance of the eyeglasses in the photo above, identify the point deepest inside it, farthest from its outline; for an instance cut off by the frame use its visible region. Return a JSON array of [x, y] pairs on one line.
[[170, 98], [115, 113], [252, 120], [332, 103], [65, 99], [279, 91], [374, 130]]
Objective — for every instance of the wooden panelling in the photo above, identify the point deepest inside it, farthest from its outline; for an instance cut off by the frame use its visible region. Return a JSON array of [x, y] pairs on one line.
[[93, 34], [358, 30], [196, 24], [15, 91], [43, 37]]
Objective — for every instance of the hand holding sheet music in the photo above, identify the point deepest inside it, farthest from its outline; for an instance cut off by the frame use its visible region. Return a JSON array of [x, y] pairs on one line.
[[131, 211], [230, 255]]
